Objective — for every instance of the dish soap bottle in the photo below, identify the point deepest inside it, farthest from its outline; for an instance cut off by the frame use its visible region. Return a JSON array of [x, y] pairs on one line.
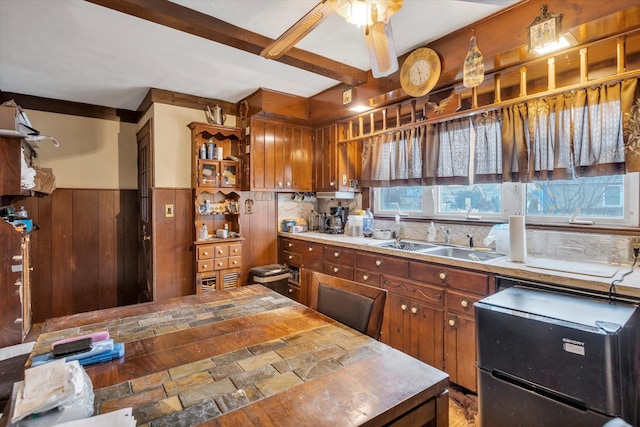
[[431, 233], [367, 224]]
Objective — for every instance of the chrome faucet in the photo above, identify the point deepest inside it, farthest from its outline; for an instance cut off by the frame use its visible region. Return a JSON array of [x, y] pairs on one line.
[[470, 236], [447, 235]]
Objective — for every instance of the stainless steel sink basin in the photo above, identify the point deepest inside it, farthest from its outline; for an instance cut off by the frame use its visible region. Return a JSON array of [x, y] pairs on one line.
[[466, 254], [407, 246]]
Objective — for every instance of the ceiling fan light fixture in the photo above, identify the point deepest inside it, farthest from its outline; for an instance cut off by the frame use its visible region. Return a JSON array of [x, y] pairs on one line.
[[366, 12], [382, 49]]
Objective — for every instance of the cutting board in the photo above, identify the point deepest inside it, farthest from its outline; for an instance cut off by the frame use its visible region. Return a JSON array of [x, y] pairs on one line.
[[589, 269]]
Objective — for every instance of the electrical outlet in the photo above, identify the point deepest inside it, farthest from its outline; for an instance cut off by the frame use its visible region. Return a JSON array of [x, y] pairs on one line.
[[634, 243]]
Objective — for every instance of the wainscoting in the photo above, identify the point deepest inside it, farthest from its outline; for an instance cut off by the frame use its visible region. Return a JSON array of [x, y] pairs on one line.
[[85, 254]]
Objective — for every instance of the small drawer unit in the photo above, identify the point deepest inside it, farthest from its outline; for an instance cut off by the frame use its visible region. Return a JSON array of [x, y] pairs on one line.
[[218, 265]]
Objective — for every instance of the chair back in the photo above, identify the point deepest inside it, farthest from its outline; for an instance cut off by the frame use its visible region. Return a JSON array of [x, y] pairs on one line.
[[351, 303]]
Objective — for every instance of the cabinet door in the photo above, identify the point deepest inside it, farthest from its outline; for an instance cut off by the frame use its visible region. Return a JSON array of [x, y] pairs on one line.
[[460, 350], [325, 167], [311, 254], [301, 159], [349, 162], [414, 328], [263, 155]]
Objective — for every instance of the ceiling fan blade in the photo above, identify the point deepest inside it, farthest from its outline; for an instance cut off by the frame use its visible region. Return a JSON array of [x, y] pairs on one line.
[[298, 30], [382, 49]]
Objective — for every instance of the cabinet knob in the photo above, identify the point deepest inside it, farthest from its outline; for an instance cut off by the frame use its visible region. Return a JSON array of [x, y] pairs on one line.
[[403, 307], [235, 250], [378, 262], [444, 276], [365, 277], [219, 264], [336, 254], [310, 249], [205, 253], [234, 262], [220, 251], [290, 256], [290, 290], [335, 269], [204, 266], [414, 309], [452, 322], [280, 184], [288, 184], [290, 244], [464, 303]]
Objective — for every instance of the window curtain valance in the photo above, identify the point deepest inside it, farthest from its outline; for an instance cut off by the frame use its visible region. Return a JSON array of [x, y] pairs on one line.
[[587, 132]]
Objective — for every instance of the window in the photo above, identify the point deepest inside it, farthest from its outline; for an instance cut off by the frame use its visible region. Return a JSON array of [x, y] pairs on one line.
[[605, 200]]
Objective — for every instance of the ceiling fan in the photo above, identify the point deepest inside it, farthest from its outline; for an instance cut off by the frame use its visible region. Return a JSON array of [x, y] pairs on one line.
[[372, 15]]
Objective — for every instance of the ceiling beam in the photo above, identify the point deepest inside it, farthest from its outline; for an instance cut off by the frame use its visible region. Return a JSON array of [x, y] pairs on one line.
[[199, 24]]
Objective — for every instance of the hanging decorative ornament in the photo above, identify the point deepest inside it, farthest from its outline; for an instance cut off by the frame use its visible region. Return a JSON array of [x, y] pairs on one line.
[[473, 71]]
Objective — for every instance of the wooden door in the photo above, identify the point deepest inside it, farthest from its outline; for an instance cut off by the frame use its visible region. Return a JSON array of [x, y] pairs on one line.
[[145, 183]]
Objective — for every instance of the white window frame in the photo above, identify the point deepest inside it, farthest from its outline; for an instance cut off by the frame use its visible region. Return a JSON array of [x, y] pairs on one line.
[[513, 203]]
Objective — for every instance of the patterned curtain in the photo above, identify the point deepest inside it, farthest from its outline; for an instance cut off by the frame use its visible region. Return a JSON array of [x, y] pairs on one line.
[[454, 152], [631, 124], [488, 147], [515, 144]]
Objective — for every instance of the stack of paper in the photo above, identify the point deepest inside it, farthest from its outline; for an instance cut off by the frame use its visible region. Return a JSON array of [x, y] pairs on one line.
[[121, 418]]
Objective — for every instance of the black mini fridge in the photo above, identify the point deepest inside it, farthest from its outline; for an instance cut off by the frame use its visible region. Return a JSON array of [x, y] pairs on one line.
[[553, 359]]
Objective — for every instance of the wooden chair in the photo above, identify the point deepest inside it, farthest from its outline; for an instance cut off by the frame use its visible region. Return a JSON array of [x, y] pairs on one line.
[[353, 304]]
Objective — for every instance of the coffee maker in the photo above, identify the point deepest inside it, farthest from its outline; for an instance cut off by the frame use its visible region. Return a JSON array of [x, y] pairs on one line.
[[337, 219]]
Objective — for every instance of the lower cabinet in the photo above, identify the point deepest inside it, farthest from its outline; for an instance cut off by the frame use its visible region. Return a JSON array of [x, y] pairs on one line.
[[218, 265], [413, 320]]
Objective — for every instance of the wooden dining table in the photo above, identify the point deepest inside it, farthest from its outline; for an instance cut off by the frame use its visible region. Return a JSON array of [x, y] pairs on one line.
[[250, 356]]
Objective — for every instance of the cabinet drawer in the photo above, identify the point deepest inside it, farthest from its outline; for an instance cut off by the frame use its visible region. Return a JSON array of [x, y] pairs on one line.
[[205, 251], [451, 277], [290, 258], [293, 292], [221, 251], [235, 249], [234, 261], [205, 265], [363, 276], [221, 263], [290, 245], [311, 256], [461, 303], [338, 255], [421, 292], [383, 264], [338, 270]]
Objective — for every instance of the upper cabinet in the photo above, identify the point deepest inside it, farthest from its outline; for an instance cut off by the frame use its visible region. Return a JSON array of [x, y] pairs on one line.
[[325, 167], [280, 156]]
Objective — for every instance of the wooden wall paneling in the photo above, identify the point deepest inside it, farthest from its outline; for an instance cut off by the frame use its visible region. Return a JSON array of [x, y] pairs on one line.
[[172, 242], [260, 245], [62, 253], [128, 276], [108, 209], [86, 246], [184, 234]]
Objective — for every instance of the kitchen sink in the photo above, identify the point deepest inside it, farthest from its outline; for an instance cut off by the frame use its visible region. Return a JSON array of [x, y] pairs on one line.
[[407, 246], [467, 254]]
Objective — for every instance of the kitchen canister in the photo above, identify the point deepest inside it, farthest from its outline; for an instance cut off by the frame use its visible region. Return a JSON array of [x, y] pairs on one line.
[[517, 239]]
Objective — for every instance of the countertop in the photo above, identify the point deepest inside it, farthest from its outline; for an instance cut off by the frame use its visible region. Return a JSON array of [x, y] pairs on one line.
[[629, 287]]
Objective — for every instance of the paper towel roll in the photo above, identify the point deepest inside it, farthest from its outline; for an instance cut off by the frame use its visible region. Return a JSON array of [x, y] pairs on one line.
[[517, 239]]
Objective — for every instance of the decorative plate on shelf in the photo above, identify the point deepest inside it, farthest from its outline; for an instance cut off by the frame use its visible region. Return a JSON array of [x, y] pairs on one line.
[[420, 72]]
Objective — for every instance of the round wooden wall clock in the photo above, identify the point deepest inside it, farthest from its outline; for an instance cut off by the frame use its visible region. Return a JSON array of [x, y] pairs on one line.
[[420, 72]]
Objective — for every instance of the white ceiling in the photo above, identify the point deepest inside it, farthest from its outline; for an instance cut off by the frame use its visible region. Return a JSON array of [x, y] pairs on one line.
[[77, 51]]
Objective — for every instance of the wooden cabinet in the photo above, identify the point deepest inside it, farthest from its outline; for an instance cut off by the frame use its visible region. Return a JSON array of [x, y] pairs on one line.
[[413, 319], [349, 164], [325, 159], [216, 205], [280, 156], [463, 288], [15, 286], [218, 265], [338, 262]]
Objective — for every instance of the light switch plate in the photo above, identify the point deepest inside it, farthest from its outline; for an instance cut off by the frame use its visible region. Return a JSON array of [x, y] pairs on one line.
[[168, 211]]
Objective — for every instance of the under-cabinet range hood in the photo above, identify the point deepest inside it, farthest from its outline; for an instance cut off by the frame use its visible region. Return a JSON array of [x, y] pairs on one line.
[[335, 194]]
